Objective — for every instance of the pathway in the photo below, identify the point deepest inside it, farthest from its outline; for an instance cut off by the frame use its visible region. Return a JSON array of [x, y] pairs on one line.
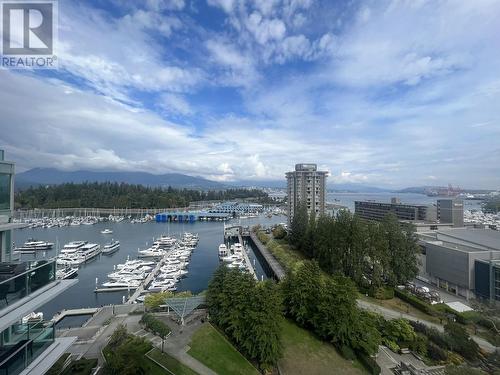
[[391, 314]]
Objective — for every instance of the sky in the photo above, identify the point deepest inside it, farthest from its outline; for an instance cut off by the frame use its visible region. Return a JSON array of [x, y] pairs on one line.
[[384, 93]]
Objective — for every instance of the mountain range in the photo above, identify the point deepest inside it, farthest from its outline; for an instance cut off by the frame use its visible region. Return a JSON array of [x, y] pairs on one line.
[[51, 176]]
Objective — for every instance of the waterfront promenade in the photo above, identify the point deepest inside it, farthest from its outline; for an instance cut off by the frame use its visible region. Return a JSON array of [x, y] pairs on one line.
[[276, 268]]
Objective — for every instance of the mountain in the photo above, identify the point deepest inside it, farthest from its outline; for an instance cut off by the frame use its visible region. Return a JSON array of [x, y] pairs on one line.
[[51, 176], [356, 188], [275, 184]]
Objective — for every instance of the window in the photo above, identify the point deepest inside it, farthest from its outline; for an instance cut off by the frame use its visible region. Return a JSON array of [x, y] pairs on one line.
[[4, 191]]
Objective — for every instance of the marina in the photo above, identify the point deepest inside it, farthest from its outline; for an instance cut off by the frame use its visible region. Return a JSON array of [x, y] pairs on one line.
[[203, 261]]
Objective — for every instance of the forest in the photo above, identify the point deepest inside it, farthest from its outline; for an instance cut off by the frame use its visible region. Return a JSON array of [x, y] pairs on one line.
[[122, 195]]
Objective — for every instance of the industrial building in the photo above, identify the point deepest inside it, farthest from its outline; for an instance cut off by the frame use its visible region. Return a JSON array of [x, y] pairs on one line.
[[370, 210], [25, 347], [455, 260], [306, 185]]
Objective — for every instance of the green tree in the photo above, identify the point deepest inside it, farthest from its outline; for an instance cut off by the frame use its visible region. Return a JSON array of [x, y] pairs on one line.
[[298, 226]]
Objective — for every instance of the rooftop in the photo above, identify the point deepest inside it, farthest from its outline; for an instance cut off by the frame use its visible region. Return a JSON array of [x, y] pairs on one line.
[[486, 238]]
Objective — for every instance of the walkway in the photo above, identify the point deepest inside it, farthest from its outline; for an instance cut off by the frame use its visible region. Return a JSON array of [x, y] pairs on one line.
[[177, 343], [277, 269], [391, 314]]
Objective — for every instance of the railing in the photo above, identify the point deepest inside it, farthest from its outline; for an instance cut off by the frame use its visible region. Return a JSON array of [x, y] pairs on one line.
[[19, 351], [36, 276]]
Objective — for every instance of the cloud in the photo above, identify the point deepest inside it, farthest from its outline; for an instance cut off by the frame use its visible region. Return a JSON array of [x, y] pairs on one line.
[[175, 104]]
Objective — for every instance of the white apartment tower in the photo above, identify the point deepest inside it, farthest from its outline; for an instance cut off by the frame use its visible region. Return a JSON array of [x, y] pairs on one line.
[[306, 184]]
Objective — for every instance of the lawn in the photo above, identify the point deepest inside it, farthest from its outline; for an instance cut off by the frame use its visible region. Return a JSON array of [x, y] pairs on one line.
[[304, 354], [213, 350], [170, 363]]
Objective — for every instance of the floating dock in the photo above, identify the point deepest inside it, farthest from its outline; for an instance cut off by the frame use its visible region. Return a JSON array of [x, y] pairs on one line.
[[247, 259], [191, 216], [74, 312]]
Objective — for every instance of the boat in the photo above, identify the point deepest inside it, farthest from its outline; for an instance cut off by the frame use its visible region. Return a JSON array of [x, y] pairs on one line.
[[223, 252], [72, 247], [106, 231], [34, 245], [32, 318], [132, 284], [89, 251], [66, 273], [111, 247], [152, 252]]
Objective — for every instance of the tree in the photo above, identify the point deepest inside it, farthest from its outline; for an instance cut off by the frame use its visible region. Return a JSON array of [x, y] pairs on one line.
[[248, 312], [402, 251], [459, 341], [298, 226]]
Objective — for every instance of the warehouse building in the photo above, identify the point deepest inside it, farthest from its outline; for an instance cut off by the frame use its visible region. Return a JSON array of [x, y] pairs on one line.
[[455, 258]]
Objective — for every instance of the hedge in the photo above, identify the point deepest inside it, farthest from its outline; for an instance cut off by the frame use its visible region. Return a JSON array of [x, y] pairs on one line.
[[156, 326], [370, 364], [415, 302]]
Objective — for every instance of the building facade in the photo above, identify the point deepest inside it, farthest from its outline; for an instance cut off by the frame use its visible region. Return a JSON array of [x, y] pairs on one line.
[[487, 280], [455, 260], [369, 210], [306, 185], [26, 347], [450, 211]]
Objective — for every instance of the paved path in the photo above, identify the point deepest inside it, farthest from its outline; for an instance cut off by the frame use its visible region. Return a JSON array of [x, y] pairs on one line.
[[391, 314], [177, 344]]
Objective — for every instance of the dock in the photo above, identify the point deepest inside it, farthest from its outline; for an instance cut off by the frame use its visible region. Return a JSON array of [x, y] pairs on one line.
[[74, 312], [247, 259], [147, 280]]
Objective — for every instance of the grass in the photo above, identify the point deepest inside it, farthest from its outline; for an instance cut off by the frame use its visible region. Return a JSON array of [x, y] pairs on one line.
[[170, 363], [304, 354], [288, 257], [83, 366], [213, 350]]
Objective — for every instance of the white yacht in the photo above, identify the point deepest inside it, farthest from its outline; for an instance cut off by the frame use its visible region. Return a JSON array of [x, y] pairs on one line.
[[89, 251], [66, 273], [106, 231], [34, 245], [151, 252], [72, 247], [111, 247], [223, 252], [132, 284]]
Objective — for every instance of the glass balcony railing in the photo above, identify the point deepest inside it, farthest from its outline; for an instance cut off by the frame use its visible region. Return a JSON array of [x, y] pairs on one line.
[[23, 343], [22, 279]]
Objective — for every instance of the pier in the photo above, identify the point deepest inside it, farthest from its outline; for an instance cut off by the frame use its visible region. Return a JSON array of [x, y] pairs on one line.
[[147, 280], [191, 216], [247, 259], [74, 312]]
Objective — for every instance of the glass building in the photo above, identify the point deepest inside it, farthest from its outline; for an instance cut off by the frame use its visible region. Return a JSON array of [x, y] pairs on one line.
[[27, 346]]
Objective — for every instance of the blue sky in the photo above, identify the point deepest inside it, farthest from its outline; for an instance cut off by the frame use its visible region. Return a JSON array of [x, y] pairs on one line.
[[387, 93]]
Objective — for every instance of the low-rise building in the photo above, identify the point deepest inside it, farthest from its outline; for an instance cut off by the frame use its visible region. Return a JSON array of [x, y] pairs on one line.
[[370, 210], [452, 255]]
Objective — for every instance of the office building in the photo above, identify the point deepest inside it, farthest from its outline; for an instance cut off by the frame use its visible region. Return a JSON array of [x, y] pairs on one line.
[[28, 347], [450, 211], [369, 210], [306, 185], [455, 258]]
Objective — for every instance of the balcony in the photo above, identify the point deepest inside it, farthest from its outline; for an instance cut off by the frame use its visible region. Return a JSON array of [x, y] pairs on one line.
[[19, 280], [24, 287], [22, 344]]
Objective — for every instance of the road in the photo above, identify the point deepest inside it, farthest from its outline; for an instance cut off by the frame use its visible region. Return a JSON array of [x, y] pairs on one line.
[[391, 314]]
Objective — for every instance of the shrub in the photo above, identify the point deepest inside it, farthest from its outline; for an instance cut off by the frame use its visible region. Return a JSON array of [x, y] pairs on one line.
[[436, 353], [279, 232], [383, 293], [419, 345], [347, 352], [414, 301], [156, 326], [369, 363]]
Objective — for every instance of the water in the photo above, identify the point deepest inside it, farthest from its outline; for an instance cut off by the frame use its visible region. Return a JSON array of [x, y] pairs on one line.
[[347, 199], [204, 259]]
